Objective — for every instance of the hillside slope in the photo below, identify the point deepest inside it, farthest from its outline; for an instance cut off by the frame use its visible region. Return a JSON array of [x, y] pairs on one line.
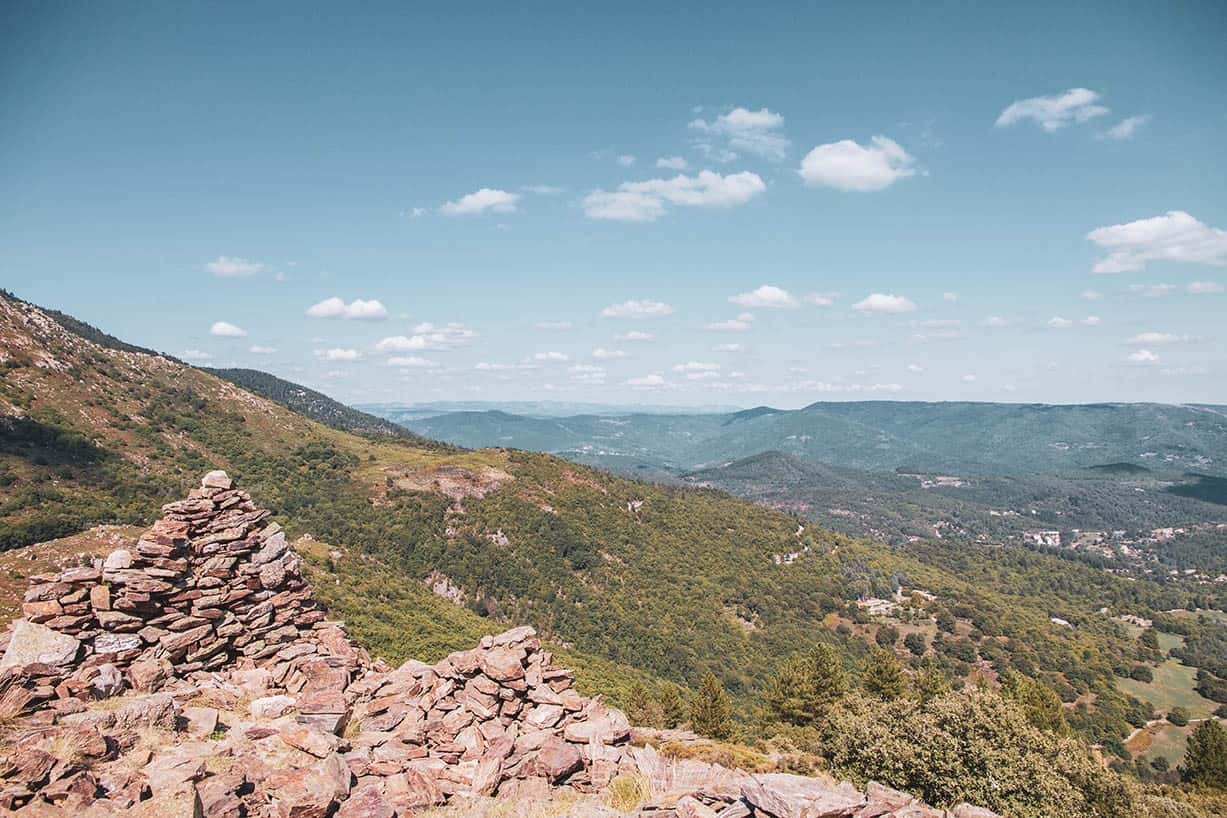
[[673, 581]]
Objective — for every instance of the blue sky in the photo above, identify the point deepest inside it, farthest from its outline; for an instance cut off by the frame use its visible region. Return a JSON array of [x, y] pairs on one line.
[[794, 203]]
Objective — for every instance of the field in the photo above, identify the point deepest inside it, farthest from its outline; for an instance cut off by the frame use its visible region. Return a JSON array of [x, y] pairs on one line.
[[1172, 687]]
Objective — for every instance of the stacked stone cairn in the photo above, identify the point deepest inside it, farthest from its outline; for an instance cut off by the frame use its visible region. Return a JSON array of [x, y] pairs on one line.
[[196, 675]]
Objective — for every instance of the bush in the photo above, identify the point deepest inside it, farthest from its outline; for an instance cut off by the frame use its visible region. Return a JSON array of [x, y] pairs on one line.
[[1178, 716], [1142, 673]]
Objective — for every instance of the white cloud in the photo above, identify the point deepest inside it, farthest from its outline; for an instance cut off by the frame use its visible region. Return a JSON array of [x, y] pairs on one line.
[[634, 335], [543, 190], [484, 366], [1155, 338], [550, 357], [697, 366], [727, 348], [1205, 288], [603, 354], [645, 201], [428, 336], [411, 362], [672, 163], [820, 299], [847, 166], [996, 322], [261, 350], [652, 381], [1124, 129], [915, 368], [1142, 356], [739, 324], [338, 354], [884, 303], [1054, 112], [554, 325], [414, 212], [585, 369], [224, 329], [195, 355], [1174, 236], [766, 297], [1091, 321], [1152, 290], [626, 160], [496, 201], [637, 309], [358, 309], [969, 378], [233, 267], [1092, 295], [743, 130], [950, 298], [1057, 322]]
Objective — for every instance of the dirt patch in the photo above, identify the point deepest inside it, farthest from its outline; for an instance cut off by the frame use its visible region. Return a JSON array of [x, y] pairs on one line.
[[455, 482]]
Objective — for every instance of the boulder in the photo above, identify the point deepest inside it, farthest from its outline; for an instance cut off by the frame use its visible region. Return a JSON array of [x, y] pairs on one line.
[[31, 643], [782, 795]]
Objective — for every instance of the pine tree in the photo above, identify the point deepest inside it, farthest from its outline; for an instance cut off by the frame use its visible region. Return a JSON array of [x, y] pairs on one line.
[[672, 706], [1041, 704], [1205, 760], [806, 685], [711, 712], [931, 681], [642, 709], [884, 675]]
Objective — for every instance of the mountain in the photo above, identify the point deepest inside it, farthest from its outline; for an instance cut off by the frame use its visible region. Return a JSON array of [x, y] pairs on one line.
[[652, 582]]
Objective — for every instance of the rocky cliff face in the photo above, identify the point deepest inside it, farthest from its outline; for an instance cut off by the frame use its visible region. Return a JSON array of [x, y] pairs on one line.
[[197, 675]]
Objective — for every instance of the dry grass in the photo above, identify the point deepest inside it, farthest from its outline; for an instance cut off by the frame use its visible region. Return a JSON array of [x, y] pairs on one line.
[[627, 792], [736, 756]]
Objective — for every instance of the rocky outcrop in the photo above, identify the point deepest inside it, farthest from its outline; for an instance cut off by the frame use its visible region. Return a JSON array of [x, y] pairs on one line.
[[195, 674]]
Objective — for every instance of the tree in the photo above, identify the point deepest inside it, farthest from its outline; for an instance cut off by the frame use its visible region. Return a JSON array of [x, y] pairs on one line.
[[884, 675], [1205, 760], [915, 642], [886, 636], [1040, 703], [711, 713], [1178, 716], [931, 681], [672, 707], [642, 709], [1149, 639], [806, 685], [946, 621], [1142, 673]]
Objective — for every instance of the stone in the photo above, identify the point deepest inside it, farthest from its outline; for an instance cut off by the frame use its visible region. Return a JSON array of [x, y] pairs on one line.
[[109, 682], [968, 811], [502, 665], [201, 721], [216, 479], [690, 807], [309, 741], [558, 759], [783, 795], [118, 560], [157, 710], [271, 707], [366, 802], [31, 642], [117, 642]]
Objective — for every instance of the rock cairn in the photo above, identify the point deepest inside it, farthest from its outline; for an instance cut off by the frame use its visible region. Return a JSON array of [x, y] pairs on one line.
[[196, 675]]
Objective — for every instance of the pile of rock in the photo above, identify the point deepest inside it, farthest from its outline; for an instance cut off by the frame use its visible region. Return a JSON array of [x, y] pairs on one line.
[[196, 675]]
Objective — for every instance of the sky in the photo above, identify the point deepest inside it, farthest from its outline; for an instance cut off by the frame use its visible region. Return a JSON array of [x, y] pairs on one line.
[[716, 203]]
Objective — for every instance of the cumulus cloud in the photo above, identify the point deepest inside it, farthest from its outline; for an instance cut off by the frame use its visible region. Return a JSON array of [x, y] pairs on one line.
[[742, 130], [491, 199], [411, 362], [1057, 322], [626, 160], [1152, 290], [1174, 236], [550, 357], [820, 299], [338, 354], [587, 373], [672, 163], [233, 267], [969, 378], [358, 309], [884, 303], [428, 336], [1125, 129], [996, 322], [634, 335], [697, 366], [1092, 295], [262, 350], [848, 166], [1205, 288], [1142, 356], [765, 297], [648, 382], [603, 354], [1155, 339], [1054, 112], [727, 348], [1091, 321], [739, 324], [195, 355], [915, 368], [224, 329], [637, 309], [645, 201]]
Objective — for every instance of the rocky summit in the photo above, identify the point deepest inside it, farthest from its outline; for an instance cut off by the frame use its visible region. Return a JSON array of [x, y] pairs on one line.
[[196, 675]]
